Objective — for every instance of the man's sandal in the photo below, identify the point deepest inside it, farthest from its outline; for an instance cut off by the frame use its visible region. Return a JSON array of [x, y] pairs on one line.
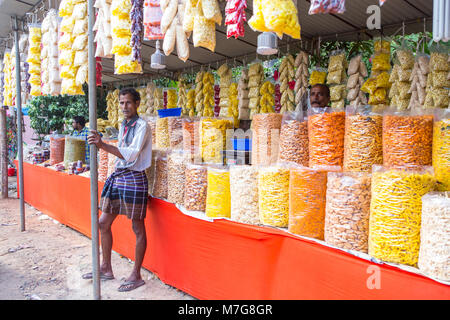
[[131, 285], [102, 276]]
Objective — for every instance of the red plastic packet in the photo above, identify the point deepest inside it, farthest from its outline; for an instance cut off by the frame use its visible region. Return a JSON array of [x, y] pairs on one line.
[[327, 6]]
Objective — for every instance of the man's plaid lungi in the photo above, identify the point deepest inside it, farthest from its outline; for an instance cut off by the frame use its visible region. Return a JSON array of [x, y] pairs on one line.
[[125, 192]]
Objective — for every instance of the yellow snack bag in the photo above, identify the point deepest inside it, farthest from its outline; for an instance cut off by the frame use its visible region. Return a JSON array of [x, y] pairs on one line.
[[369, 86], [218, 199], [281, 16], [381, 62], [257, 22], [318, 75]]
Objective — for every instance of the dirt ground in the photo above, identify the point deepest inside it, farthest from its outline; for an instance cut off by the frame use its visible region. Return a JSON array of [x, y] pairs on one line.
[[46, 261]]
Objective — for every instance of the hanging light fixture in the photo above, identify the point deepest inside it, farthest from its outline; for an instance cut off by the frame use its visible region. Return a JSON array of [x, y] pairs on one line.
[[158, 59], [267, 43]]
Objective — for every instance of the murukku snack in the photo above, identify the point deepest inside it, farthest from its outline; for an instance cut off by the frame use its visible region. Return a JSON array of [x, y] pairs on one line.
[[441, 149], [434, 254], [326, 129], [395, 212], [407, 138], [294, 139], [273, 195], [347, 210], [363, 145]]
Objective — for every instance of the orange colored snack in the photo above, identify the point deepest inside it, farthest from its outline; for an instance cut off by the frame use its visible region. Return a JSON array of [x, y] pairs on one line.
[[326, 138]]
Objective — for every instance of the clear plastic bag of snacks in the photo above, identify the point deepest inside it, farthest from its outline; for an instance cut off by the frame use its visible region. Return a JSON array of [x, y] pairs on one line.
[[265, 138], [327, 6], [273, 195], [363, 145], [326, 129], [294, 138], [213, 138], [441, 148], [244, 194], [160, 185], [307, 200], [196, 183], [395, 212], [191, 135], [434, 255], [348, 210], [204, 34], [407, 137], [162, 133], [218, 199], [176, 166], [175, 128], [318, 75]]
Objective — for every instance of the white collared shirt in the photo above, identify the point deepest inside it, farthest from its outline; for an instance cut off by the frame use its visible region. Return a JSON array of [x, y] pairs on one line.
[[138, 154]]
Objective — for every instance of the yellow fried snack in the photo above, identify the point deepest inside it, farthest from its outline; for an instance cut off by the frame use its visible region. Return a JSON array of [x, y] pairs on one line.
[[218, 199], [317, 76], [395, 214], [273, 188]]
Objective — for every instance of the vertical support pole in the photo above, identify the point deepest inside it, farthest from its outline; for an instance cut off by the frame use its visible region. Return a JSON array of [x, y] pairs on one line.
[[19, 126], [3, 153], [93, 153]]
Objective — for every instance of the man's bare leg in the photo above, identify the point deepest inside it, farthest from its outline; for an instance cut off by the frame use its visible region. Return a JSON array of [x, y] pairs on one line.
[[105, 223], [135, 279]]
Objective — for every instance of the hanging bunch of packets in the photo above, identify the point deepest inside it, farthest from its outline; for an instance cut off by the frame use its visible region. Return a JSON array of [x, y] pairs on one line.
[[73, 75], [337, 78], [13, 75], [208, 94], [152, 20], [34, 59], [287, 75], [200, 18], [279, 16], [438, 80], [50, 79], [235, 18], [225, 75], [102, 27], [121, 26], [7, 92], [377, 85], [400, 78], [172, 28]]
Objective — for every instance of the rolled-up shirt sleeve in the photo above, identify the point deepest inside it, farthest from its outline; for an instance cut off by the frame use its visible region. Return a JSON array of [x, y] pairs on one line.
[[131, 152]]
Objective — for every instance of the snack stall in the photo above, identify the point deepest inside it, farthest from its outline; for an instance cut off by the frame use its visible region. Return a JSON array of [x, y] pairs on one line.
[[254, 193]]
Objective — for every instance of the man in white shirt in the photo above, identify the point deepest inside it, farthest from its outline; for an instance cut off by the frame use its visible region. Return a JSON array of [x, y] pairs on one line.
[[126, 190]]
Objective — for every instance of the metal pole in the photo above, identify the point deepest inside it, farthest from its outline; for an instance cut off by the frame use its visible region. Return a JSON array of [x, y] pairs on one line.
[[19, 125], [93, 153]]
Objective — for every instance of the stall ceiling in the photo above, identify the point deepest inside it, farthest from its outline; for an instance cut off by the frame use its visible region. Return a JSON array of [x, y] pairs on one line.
[[415, 15]]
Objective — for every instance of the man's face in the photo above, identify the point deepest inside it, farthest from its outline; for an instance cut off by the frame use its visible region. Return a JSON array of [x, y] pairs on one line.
[[75, 125], [318, 97], [128, 106]]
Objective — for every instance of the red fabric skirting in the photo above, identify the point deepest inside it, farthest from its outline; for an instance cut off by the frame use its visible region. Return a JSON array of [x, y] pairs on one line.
[[229, 260]]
